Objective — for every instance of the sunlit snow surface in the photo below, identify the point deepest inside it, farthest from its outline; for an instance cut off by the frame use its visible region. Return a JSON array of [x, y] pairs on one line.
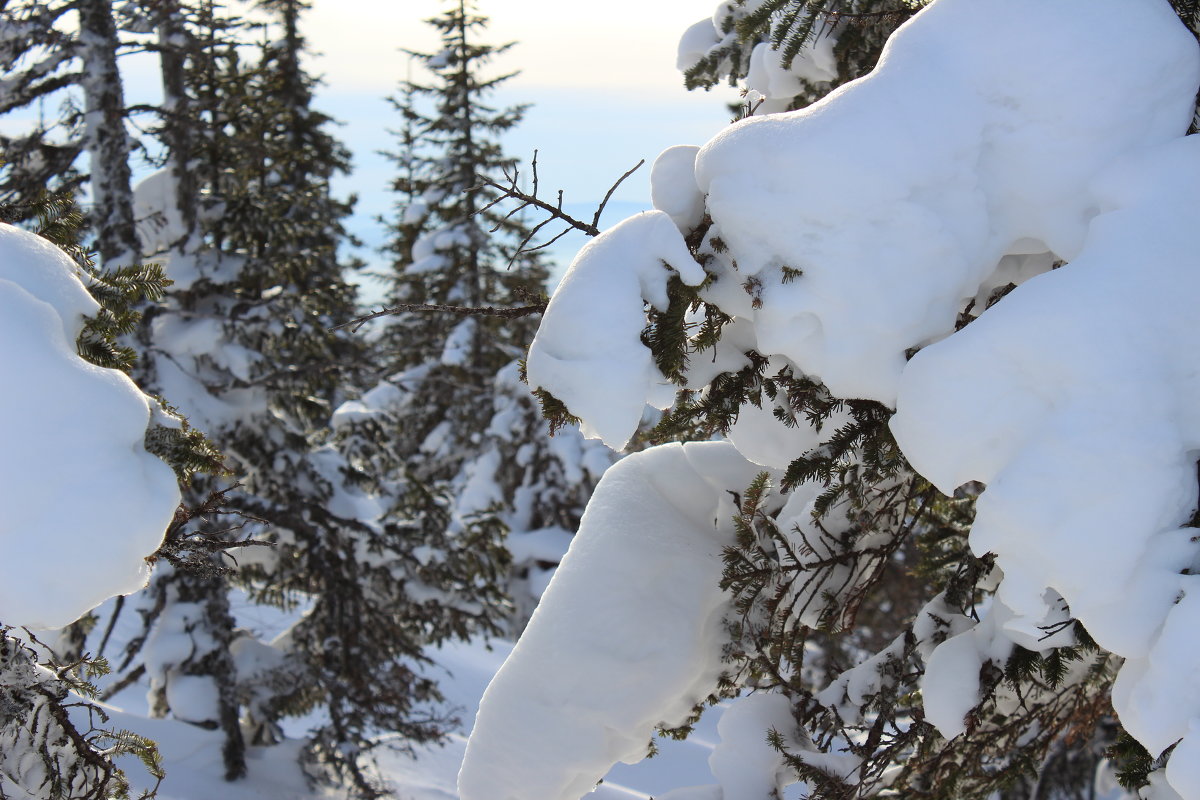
[[588, 350], [994, 138], [627, 635], [84, 503]]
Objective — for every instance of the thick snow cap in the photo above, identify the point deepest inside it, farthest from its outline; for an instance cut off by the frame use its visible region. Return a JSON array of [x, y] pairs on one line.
[[897, 195], [84, 503], [1075, 399], [588, 350], [627, 635], [994, 138]]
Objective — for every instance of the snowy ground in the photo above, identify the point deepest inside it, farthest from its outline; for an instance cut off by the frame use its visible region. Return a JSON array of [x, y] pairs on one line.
[[192, 756]]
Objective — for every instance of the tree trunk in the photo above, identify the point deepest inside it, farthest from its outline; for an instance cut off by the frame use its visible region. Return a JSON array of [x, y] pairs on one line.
[[106, 138]]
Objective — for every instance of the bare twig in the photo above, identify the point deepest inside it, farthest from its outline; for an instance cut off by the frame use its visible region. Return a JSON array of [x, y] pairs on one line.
[[112, 622], [611, 189], [462, 311], [189, 550], [128, 680], [511, 191]]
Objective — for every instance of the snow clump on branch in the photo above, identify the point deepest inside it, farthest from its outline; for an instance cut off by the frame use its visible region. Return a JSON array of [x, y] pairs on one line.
[[84, 503]]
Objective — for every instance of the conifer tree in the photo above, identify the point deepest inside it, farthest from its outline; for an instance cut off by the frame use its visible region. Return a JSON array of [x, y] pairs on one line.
[[469, 454], [858, 28], [818, 600], [37, 58], [853, 587], [54, 740], [443, 363], [198, 60]]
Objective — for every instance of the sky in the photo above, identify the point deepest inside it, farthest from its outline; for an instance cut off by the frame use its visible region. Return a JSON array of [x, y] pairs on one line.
[[604, 90]]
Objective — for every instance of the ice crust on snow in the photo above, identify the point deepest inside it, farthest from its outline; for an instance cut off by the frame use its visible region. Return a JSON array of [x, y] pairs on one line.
[[994, 139], [84, 502], [588, 351], [596, 670]]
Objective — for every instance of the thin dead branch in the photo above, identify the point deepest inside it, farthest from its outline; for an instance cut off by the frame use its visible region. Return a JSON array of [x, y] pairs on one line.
[[510, 190], [462, 311]]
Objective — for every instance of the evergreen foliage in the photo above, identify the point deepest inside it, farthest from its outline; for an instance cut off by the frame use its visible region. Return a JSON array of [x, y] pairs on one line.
[[246, 223], [861, 27], [44, 750], [38, 60], [465, 459], [249, 232], [382, 552]]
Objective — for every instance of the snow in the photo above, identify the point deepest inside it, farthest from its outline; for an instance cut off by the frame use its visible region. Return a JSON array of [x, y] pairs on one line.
[[696, 41], [673, 186], [769, 86], [759, 436], [165, 239], [42, 270], [897, 195], [1117, 455], [192, 758], [545, 544], [159, 223], [996, 139], [459, 342], [815, 63], [744, 764], [84, 502], [588, 351], [192, 755], [596, 669]]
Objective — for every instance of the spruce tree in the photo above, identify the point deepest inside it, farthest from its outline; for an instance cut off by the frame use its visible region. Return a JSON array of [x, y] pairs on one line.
[[852, 590], [859, 29], [199, 61], [54, 740], [38, 61], [855, 587], [443, 363], [469, 456]]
